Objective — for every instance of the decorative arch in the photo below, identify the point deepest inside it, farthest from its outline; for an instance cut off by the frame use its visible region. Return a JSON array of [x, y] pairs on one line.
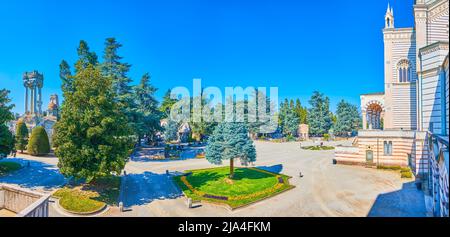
[[373, 113], [404, 71]]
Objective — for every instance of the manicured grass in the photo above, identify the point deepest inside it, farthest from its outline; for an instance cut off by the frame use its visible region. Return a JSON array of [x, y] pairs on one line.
[[248, 185], [90, 198], [7, 167], [318, 148]]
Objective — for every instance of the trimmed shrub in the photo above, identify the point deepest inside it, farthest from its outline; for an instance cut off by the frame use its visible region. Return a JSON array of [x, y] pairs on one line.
[[39, 144], [21, 136]]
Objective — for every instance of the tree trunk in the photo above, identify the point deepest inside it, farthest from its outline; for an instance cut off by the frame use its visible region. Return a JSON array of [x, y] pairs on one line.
[[231, 168]]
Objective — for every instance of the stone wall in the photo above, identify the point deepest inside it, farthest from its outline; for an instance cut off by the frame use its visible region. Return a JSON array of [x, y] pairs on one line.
[[408, 149], [23, 202]]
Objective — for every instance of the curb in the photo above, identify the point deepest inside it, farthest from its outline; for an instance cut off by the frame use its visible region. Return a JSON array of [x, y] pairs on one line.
[[68, 213]]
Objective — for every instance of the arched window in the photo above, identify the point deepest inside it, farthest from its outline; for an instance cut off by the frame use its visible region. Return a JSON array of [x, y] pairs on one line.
[[404, 71]]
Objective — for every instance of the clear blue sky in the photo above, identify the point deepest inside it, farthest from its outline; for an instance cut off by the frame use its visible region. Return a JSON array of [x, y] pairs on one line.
[[335, 47]]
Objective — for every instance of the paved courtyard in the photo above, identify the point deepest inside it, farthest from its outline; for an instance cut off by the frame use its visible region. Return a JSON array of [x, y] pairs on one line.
[[325, 189]]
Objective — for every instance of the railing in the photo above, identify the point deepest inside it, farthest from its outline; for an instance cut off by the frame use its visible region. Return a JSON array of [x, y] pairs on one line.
[[437, 182], [24, 202]]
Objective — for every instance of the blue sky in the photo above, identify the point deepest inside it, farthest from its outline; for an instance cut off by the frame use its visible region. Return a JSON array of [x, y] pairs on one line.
[[335, 47]]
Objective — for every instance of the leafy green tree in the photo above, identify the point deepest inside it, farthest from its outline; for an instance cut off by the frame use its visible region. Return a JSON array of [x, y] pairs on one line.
[[230, 141], [93, 137], [21, 136], [148, 115], [348, 119], [319, 115], [5, 107], [39, 144], [171, 130], [166, 105], [6, 138]]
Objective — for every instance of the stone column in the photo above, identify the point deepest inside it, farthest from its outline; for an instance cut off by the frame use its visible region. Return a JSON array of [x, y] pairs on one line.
[[31, 100], [26, 99], [40, 101], [35, 100], [364, 117]]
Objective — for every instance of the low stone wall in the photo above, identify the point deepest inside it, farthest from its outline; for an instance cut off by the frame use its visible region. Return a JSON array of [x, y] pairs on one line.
[[24, 202]]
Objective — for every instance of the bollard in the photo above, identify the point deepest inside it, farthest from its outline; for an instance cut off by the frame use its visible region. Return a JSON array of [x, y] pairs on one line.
[[121, 206], [189, 203]]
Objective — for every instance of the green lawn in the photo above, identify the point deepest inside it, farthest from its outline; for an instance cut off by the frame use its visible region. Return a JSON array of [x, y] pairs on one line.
[[90, 198], [7, 167], [248, 186]]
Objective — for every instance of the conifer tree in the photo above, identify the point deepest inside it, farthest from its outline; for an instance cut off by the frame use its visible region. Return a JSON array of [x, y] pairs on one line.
[[230, 141], [21, 136], [319, 115], [6, 138], [93, 137]]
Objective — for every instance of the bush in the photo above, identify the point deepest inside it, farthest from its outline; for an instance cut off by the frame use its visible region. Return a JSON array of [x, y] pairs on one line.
[[326, 137], [406, 173], [21, 136], [6, 141], [39, 144], [290, 138]]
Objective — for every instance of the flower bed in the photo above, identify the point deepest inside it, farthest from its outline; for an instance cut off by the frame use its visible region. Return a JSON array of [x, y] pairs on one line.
[[249, 185]]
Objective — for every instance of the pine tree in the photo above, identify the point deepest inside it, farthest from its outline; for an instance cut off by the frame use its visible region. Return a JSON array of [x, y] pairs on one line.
[[93, 138], [230, 141], [21, 136], [66, 78], [167, 104], [319, 115], [348, 119], [171, 131], [148, 115], [117, 71], [291, 123], [301, 112], [85, 57], [6, 138]]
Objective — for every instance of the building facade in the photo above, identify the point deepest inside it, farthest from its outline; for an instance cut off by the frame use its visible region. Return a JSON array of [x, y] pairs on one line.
[[407, 124]]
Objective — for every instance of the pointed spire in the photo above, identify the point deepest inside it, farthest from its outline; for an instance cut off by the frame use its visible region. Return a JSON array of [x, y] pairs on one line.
[[392, 10], [388, 8]]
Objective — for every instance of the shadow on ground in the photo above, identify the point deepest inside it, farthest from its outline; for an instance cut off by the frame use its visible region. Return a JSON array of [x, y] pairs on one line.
[[142, 189], [144, 155], [34, 174], [407, 202], [274, 169]]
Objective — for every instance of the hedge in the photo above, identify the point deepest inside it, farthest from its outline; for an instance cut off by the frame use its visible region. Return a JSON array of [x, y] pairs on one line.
[[39, 144]]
